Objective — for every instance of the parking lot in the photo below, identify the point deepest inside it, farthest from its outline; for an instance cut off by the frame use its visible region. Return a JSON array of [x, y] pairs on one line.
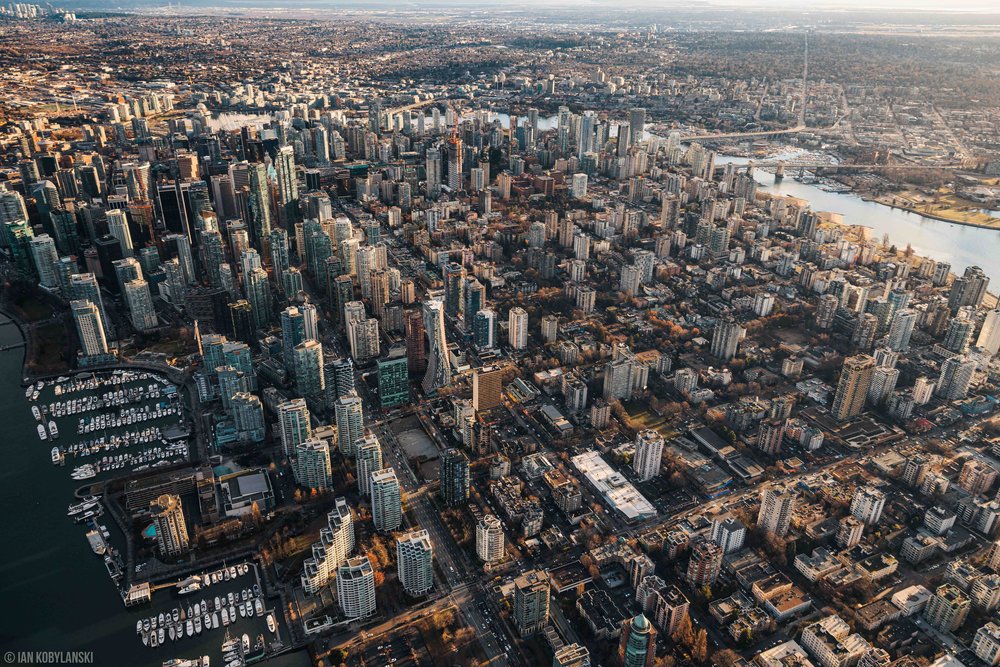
[[403, 649]]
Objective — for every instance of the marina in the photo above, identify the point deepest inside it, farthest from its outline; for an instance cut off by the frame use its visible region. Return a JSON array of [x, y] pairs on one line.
[[41, 496], [121, 410]]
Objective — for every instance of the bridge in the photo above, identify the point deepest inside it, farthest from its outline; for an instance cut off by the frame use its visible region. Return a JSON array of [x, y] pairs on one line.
[[850, 166]]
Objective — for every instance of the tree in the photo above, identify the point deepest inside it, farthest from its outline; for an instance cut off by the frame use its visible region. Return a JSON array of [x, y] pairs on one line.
[[684, 634], [699, 652], [726, 658]]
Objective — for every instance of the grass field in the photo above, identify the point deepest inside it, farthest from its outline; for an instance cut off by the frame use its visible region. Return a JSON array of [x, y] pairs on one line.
[[947, 206]]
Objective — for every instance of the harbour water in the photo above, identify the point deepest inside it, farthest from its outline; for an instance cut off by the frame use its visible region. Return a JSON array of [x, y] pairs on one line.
[[56, 594], [960, 245]]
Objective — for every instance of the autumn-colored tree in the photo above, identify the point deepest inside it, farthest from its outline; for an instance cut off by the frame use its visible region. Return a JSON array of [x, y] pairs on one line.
[[684, 634], [726, 658], [699, 652]]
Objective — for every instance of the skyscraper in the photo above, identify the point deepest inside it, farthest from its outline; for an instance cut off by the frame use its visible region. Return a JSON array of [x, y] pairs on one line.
[[293, 332], [531, 602], [356, 588], [89, 328], [438, 364], [705, 563], [487, 388], [387, 511], [414, 562], [968, 290], [44, 257], [118, 228], [258, 293], [455, 159], [454, 477], [309, 377], [867, 504], [140, 305], [334, 546], [489, 539], [393, 381], [989, 336], [416, 344], [288, 187], [648, 452], [775, 513], [517, 323], [728, 532], [852, 388], [484, 330], [368, 457], [637, 646], [312, 465], [955, 379], [293, 424], [725, 339], [167, 514], [349, 414]]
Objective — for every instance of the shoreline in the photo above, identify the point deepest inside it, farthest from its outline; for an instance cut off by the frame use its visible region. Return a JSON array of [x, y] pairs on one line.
[[932, 216], [28, 345]]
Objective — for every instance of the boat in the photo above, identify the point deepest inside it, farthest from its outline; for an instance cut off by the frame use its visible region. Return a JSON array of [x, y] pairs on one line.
[[271, 624], [197, 624], [225, 616], [39, 385], [57, 456], [232, 573], [258, 607], [29, 390], [256, 590], [231, 597], [172, 633], [160, 634], [232, 614], [207, 622], [180, 631], [145, 625], [189, 628], [215, 619], [175, 614], [216, 602], [244, 568], [53, 429], [145, 639], [82, 506], [160, 619], [246, 643], [36, 412], [225, 575], [84, 472], [96, 541], [42, 435], [152, 639], [193, 587], [243, 611], [245, 594], [203, 661]]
